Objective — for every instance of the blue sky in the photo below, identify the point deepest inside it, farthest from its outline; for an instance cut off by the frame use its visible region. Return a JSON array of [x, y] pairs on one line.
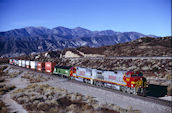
[[144, 16]]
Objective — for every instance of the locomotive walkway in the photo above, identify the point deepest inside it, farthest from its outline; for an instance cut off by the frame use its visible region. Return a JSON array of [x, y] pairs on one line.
[[129, 57]]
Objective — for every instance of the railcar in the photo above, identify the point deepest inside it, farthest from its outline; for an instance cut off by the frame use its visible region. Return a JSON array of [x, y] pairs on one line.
[[63, 71], [49, 67], [41, 66], [27, 64], [11, 61], [33, 65], [23, 63], [20, 63]]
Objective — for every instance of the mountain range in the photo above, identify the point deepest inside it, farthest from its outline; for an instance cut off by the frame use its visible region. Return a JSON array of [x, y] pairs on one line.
[[39, 39]]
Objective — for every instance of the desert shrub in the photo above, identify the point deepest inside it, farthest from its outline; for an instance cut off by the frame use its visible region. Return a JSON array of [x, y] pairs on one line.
[[3, 107], [169, 90], [4, 89]]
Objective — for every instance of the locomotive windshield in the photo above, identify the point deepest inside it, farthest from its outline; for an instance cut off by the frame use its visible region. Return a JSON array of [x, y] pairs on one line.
[[134, 75]]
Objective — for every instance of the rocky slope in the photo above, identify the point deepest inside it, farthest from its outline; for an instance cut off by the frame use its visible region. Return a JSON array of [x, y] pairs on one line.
[[145, 46], [39, 39]]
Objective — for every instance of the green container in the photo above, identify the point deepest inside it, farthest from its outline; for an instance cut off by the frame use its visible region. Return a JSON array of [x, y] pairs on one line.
[[62, 70]]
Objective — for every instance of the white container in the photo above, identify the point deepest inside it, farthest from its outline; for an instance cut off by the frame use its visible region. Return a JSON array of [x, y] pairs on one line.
[[27, 62], [10, 61], [23, 63], [17, 62], [33, 64], [20, 62]]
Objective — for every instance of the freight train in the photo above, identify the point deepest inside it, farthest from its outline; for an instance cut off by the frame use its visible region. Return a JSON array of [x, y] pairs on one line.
[[125, 81]]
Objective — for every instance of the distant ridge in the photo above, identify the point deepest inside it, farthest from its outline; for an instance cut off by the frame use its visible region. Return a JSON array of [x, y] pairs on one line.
[[38, 39]]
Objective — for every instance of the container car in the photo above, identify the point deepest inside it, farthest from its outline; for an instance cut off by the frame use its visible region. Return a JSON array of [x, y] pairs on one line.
[[15, 61], [20, 63], [33, 65], [41, 66], [27, 64], [23, 63], [11, 61], [49, 67]]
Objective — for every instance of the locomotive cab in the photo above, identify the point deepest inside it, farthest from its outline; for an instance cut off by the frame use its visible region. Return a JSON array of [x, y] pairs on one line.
[[136, 83]]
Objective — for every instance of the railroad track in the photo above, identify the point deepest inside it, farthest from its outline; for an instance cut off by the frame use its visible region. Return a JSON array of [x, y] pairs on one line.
[[147, 98], [127, 57]]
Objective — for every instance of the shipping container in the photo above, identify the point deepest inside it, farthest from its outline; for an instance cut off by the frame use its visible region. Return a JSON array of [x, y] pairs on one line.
[[15, 61], [20, 62], [49, 67], [41, 66], [27, 64], [23, 63], [33, 65], [10, 61]]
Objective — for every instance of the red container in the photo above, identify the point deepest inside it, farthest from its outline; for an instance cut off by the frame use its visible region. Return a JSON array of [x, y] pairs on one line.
[[49, 67], [40, 66]]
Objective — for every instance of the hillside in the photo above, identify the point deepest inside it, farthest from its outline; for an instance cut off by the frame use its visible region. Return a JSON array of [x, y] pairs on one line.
[[146, 46]]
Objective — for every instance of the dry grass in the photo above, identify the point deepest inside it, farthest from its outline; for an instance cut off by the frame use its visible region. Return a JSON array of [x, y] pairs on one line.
[[46, 99], [4, 89], [169, 90], [3, 108], [34, 78]]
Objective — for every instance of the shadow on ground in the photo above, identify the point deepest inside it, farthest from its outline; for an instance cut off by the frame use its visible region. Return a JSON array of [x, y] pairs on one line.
[[156, 90]]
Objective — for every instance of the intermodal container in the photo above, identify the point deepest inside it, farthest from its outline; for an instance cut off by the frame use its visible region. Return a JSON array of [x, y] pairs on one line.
[[49, 67], [20, 63], [33, 65], [15, 61], [27, 64], [41, 66], [23, 63], [10, 61]]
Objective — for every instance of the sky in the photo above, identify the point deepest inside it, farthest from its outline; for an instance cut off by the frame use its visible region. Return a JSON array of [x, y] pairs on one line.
[[144, 16]]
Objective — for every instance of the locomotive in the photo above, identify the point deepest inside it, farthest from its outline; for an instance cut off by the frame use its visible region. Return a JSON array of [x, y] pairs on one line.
[[125, 81]]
